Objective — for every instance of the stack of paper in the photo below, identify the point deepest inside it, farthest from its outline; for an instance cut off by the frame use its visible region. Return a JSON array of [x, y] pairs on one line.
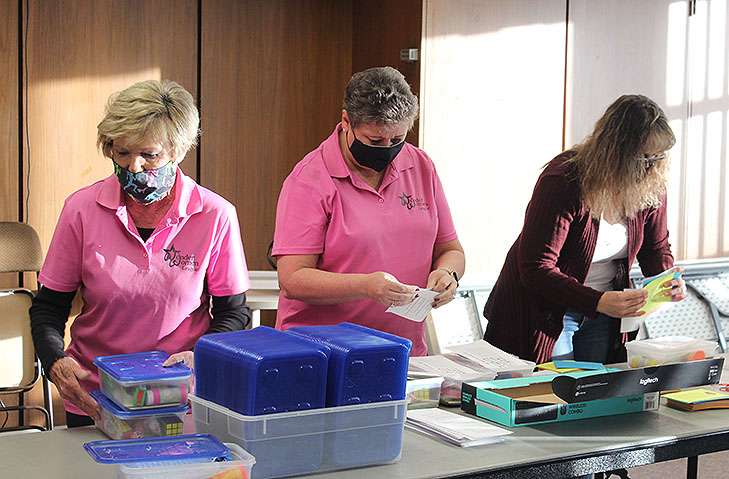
[[453, 428], [493, 358], [447, 366], [697, 399]]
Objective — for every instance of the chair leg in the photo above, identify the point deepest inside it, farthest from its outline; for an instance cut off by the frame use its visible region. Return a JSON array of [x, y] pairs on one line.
[[21, 409], [48, 402]]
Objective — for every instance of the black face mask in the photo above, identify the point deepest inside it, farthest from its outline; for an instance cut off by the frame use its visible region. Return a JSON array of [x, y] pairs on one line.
[[374, 157]]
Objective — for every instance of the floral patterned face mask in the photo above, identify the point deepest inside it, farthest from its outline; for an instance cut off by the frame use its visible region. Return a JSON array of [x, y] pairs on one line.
[[147, 186]]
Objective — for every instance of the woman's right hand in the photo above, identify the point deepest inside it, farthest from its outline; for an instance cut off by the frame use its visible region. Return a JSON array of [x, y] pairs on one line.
[[65, 374], [622, 304], [386, 289]]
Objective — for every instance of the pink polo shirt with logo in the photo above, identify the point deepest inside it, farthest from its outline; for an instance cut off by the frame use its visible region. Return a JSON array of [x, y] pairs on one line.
[[142, 296], [325, 209]]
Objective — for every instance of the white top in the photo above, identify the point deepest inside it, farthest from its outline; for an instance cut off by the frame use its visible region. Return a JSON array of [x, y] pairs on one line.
[[612, 246]]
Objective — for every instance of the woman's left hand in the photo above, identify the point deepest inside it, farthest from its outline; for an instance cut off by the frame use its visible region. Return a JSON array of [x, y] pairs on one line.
[[678, 288], [443, 282], [187, 357]]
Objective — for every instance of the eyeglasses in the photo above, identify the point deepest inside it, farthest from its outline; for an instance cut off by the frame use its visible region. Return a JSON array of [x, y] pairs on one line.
[[649, 161]]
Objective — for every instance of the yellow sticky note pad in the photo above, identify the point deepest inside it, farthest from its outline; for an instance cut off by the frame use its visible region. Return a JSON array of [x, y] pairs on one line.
[[551, 367], [655, 290], [693, 396]]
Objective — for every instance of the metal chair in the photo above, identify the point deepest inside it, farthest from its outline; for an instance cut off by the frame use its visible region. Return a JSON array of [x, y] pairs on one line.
[[20, 370], [458, 322]]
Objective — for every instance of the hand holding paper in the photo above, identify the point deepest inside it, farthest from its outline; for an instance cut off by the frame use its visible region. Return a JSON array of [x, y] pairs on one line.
[[418, 309], [386, 289], [659, 289]]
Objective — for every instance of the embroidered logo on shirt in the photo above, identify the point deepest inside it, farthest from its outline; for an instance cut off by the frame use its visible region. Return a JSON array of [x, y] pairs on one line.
[[410, 202], [185, 262]]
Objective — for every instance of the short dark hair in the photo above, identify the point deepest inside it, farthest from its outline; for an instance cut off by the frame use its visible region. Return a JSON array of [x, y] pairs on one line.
[[380, 95]]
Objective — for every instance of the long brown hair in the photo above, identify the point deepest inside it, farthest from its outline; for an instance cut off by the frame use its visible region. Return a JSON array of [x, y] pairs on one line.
[[613, 180]]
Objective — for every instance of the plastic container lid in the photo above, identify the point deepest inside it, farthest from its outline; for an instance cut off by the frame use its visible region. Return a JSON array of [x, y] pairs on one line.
[[187, 448], [141, 367], [127, 414], [669, 344]]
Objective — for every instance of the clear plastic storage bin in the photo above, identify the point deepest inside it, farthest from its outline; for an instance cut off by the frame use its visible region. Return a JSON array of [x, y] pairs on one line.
[[423, 392], [669, 349], [118, 423], [303, 442], [238, 468], [192, 456], [139, 381]]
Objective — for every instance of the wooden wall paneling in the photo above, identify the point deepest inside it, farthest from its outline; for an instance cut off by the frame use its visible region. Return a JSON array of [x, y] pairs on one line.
[[8, 142], [8, 120], [273, 76], [380, 29], [79, 52], [492, 83]]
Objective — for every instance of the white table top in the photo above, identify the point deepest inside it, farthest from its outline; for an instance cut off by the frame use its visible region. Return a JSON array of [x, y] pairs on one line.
[[59, 454]]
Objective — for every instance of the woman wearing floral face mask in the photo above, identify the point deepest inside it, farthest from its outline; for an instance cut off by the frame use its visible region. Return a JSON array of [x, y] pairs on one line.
[[362, 221], [149, 249]]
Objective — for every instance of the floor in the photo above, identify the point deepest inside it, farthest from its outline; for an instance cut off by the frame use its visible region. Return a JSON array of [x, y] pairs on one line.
[[711, 466]]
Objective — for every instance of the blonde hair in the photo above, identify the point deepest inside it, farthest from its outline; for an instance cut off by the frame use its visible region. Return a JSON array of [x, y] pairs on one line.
[[161, 111], [613, 180]]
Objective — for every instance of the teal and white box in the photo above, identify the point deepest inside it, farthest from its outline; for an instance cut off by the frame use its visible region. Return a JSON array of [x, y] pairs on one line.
[[531, 400]]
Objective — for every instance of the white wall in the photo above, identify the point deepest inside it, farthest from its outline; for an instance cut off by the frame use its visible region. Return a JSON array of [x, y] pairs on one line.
[[492, 84]]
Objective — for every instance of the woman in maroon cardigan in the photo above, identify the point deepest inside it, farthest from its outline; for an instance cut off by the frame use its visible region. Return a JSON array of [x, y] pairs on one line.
[[595, 210]]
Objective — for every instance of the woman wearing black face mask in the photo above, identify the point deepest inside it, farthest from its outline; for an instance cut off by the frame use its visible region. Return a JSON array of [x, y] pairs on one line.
[[362, 221]]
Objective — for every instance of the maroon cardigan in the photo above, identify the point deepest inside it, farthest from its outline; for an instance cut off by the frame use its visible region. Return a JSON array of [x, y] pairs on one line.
[[545, 269]]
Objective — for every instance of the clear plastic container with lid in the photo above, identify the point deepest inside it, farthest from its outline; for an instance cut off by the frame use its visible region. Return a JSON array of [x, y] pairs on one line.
[[668, 349], [365, 365], [138, 380], [192, 456], [304, 442], [119, 423], [423, 392]]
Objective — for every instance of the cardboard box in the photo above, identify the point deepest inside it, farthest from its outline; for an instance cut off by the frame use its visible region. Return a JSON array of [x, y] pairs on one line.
[[581, 395]]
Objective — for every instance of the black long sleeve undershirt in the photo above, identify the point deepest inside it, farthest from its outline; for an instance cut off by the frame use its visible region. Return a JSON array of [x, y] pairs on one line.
[[50, 309]]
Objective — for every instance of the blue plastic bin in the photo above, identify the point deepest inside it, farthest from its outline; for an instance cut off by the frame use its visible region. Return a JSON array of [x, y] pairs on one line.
[[188, 448], [261, 371], [365, 365]]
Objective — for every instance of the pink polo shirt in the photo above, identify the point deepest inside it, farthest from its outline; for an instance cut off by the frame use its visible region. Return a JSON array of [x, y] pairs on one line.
[[143, 296], [324, 209]]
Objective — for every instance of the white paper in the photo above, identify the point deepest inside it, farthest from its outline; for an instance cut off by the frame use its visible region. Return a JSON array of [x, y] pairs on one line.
[[418, 309], [491, 357], [442, 366], [455, 428]]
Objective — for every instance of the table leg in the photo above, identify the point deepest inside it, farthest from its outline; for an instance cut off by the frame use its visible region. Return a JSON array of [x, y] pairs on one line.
[[692, 468]]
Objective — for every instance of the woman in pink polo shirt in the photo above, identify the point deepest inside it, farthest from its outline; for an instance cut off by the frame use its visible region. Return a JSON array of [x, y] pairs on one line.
[[362, 221], [147, 247]]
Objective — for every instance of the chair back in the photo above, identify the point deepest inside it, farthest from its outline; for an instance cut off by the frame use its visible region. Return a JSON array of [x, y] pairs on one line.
[[18, 367], [20, 248]]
